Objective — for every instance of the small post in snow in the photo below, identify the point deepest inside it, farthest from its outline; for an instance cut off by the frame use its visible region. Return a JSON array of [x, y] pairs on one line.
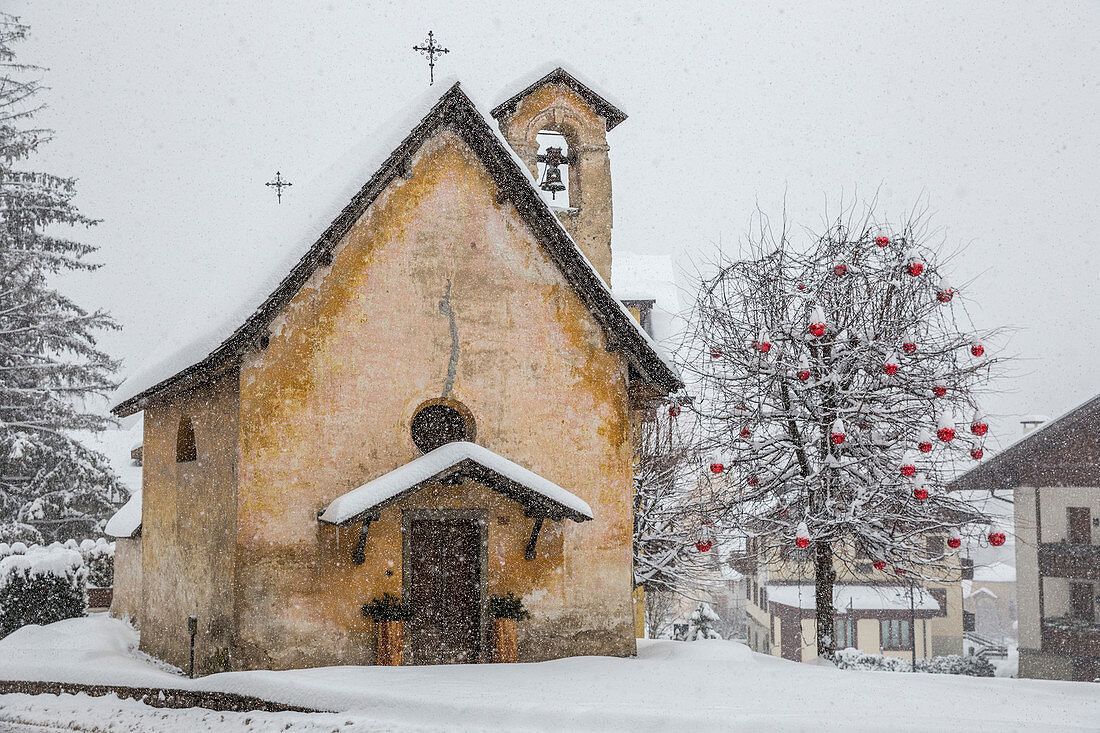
[[192, 628]]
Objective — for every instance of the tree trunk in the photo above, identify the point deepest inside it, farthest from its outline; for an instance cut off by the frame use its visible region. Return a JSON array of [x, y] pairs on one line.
[[824, 578]]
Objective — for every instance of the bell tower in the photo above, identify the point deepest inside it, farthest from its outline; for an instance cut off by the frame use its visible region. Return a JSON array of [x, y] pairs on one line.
[[559, 103]]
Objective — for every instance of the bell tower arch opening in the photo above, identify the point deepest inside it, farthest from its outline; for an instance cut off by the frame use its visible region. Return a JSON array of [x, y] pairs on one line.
[[555, 169]]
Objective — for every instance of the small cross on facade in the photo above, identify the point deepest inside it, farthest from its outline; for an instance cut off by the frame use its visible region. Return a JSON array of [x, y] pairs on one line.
[[279, 184], [430, 51]]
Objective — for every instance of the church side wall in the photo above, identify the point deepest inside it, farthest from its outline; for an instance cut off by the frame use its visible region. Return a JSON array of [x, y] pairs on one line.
[[189, 527], [439, 290], [126, 595]]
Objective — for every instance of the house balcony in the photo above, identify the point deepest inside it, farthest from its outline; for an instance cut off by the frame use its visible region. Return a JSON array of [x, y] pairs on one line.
[[1073, 637], [1063, 560]]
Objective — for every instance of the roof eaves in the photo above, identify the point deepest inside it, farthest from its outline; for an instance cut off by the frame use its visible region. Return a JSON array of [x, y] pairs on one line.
[[612, 115]]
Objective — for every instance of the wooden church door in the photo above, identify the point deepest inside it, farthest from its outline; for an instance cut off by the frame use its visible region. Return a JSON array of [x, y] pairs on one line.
[[442, 560]]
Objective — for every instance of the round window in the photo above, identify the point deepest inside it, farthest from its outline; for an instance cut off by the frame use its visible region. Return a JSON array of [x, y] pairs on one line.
[[439, 424]]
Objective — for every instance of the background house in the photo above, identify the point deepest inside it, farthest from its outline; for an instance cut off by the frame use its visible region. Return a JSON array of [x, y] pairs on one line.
[[1053, 473]]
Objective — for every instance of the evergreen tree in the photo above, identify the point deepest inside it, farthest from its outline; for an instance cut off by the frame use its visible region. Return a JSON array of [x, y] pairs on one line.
[[51, 370], [703, 623]]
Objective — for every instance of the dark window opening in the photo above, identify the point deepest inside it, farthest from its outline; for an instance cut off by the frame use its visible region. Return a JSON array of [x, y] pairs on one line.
[[185, 441], [1078, 525], [1081, 603], [934, 545], [437, 425], [554, 183]]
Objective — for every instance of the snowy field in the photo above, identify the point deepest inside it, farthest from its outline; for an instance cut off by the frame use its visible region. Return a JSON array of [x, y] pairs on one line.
[[671, 686]]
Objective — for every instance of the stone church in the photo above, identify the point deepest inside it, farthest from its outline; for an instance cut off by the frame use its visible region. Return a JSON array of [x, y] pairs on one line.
[[435, 401]]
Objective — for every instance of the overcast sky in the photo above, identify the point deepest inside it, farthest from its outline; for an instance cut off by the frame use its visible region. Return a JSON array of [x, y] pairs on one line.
[[173, 115]]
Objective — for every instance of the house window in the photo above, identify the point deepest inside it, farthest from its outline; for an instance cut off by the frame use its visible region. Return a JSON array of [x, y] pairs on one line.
[[1080, 602], [764, 598], [185, 441], [1078, 519], [934, 544], [748, 591], [940, 594], [967, 568], [895, 634], [845, 633], [755, 594]]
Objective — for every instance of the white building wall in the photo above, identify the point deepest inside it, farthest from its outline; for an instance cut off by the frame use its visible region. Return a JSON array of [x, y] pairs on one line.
[[1027, 568]]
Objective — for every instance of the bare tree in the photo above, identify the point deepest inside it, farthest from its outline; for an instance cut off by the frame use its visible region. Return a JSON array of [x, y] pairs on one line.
[[837, 384]]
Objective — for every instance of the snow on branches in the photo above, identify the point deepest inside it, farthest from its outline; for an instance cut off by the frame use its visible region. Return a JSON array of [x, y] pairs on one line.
[[869, 356]]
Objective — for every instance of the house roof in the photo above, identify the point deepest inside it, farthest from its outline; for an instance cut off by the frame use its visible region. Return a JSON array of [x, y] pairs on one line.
[[856, 597], [222, 347], [1022, 462], [611, 113], [539, 496], [126, 522]]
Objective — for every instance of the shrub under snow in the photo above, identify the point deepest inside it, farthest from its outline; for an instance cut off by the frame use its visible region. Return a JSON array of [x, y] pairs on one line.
[[41, 585], [950, 664]]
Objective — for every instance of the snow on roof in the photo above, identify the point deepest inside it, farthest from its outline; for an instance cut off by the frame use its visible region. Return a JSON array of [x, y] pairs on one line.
[[127, 520], [857, 597], [998, 572], [517, 87], [420, 470], [280, 237], [980, 592]]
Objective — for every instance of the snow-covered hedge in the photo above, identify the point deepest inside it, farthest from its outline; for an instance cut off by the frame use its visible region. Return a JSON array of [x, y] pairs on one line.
[[99, 559], [950, 664], [40, 585]]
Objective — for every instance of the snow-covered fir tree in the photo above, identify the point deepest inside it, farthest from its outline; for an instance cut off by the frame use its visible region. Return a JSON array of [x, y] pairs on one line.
[[51, 370], [838, 383], [703, 623]]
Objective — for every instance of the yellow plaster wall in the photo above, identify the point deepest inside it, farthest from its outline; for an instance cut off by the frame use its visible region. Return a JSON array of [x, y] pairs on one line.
[[189, 527], [326, 407], [126, 595]]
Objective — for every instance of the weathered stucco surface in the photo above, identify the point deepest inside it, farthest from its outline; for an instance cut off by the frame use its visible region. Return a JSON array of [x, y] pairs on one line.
[[126, 596], [327, 406], [189, 527]]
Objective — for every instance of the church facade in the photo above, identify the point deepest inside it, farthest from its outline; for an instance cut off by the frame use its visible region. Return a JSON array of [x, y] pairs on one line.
[[435, 402]]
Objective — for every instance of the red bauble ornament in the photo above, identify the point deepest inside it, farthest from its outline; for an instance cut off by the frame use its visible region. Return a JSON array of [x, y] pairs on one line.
[[745, 432], [954, 542], [925, 447], [837, 438], [882, 241], [674, 411], [899, 571], [939, 390], [703, 546], [920, 493], [977, 349], [908, 470], [909, 347], [880, 564], [753, 481], [890, 369], [996, 538], [840, 270], [802, 542], [803, 375], [801, 286], [979, 428], [717, 468], [977, 453], [915, 268], [944, 295], [762, 346], [715, 352], [946, 434], [817, 329]]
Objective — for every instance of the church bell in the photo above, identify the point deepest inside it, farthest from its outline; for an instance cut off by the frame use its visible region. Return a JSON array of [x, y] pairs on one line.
[[551, 174]]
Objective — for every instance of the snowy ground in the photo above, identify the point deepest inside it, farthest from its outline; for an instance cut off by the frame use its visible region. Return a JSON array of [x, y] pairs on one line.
[[698, 686]]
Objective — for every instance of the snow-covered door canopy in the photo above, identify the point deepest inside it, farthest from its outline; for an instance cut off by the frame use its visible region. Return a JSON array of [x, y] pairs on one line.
[[540, 497]]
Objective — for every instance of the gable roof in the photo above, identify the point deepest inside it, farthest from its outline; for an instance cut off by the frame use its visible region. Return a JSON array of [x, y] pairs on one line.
[[1025, 462], [611, 114], [539, 496], [454, 110]]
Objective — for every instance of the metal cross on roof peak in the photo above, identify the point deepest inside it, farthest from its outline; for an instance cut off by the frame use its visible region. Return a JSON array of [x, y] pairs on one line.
[[430, 51], [279, 184]]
